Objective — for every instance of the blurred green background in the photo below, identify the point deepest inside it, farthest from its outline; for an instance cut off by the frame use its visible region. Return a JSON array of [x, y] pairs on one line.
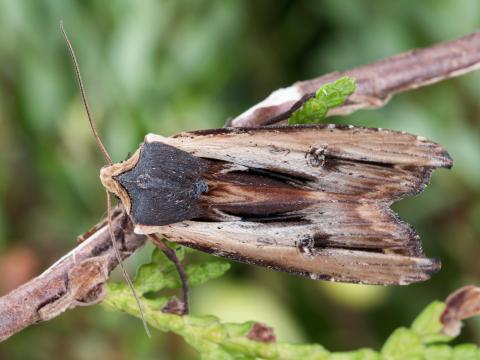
[[168, 66]]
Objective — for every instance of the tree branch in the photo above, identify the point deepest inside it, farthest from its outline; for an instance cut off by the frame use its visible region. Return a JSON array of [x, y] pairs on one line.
[[78, 278], [376, 82], [462, 304]]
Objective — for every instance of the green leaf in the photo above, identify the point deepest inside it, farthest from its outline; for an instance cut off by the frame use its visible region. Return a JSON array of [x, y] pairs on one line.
[[149, 279], [362, 354], [214, 339], [201, 273], [438, 352], [466, 352], [428, 326], [160, 273], [327, 97], [428, 321], [403, 344]]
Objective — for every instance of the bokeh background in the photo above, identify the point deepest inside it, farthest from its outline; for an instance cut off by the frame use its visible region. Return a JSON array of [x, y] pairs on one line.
[[168, 66]]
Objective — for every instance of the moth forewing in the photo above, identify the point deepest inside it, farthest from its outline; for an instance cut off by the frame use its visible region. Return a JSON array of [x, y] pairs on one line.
[[296, 255], [311, 200], [337, 141]]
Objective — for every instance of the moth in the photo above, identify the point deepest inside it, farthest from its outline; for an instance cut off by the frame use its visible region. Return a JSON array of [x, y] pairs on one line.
[[312, 200]]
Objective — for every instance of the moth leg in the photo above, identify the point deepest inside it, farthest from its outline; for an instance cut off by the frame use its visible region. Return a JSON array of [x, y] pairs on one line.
[[174, 307]]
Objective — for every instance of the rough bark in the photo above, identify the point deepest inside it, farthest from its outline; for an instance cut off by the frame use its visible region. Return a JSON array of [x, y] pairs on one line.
[[77, 279]]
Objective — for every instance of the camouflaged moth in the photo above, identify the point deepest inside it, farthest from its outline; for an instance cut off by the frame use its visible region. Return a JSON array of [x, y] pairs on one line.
[[311, 200]]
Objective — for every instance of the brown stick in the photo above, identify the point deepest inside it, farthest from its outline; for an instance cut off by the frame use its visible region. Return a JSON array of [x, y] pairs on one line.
[[78, 278], [462, 304], [376, 82]]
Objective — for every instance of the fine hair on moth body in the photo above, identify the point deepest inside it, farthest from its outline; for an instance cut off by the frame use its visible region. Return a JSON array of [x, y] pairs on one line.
[[311, 200]]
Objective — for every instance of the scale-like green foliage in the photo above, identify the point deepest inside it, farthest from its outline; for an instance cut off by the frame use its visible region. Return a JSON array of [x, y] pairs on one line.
[[328, 96], [214, 339]]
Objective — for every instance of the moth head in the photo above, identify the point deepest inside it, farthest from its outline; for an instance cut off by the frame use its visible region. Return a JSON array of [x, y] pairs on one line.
[[108, 177]]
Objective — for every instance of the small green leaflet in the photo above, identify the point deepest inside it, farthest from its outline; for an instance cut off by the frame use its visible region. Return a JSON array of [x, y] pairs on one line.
[[215, 339], [327, 97]]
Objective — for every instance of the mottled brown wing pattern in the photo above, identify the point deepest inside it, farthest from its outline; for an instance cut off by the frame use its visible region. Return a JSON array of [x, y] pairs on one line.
[[254, 244], [311, 200]]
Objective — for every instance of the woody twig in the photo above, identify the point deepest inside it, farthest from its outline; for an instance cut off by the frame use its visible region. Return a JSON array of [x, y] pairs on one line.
[[376, 82], [77, 279]]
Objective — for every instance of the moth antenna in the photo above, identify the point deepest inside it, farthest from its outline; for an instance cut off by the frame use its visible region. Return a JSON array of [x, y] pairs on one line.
[[84, 96], [110, 162], [120, 262]]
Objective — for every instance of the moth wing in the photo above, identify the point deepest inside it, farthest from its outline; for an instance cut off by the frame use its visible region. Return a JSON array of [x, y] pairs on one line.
[[371, 163], [349, 233], [277, 247], [339, 141]]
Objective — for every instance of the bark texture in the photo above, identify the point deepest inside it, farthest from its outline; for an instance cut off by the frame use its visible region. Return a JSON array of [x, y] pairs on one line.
[[77, 279]]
